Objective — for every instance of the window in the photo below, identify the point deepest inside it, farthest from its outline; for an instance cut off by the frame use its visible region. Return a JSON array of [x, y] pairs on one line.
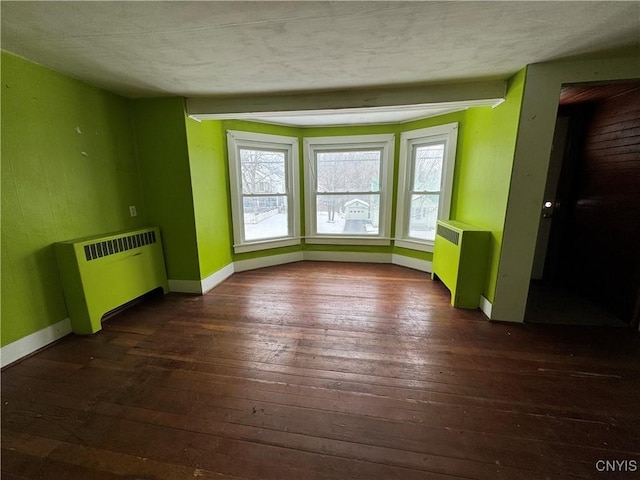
[[348, 187], [427, 158], [264, 180]]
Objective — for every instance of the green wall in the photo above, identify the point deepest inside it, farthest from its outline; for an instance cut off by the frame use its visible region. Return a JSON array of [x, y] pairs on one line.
[[210, 188], [163, 156], [484, 160], [301, 133], [74, 157], [483, 170], [531, 162], [68, 171]]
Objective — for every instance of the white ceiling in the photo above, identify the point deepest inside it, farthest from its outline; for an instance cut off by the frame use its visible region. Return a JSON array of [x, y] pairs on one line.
[[209, 49]]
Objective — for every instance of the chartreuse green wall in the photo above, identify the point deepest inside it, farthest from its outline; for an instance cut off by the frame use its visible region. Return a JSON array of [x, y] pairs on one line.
[[484, 160], [74, 157], [210, 188], [301, 133], [68, 170], [483, 170], [163, 156]]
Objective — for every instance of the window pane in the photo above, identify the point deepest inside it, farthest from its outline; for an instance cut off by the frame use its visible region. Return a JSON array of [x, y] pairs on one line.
[[263, 171], [348, 214], [427, 167], [265, 217], [423, 214], [348, 171]]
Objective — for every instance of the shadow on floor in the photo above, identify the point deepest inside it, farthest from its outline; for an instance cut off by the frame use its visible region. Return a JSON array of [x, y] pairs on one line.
[[551, 304]]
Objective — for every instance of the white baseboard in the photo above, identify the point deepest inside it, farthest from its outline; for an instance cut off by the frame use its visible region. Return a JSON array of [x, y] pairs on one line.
[[368, 257], [217, 277], [201, 287], [29, 344], [270, 261], [33, 342], [185, 286], [410, 262], [325, 256], [486, 306]]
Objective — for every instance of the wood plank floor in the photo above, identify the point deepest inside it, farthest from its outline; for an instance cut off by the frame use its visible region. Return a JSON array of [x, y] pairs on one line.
[[323, 371]]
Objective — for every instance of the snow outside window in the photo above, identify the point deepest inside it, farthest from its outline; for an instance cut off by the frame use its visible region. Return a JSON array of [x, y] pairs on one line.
[[264, 181], [348, 187], [427, 158]]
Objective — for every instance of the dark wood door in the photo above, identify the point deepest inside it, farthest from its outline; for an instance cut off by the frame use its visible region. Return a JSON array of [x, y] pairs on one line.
[[595, 239]]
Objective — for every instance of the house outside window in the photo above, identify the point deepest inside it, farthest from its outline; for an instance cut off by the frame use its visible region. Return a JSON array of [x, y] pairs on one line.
[[348, 188], [425, 180], [264, 176]]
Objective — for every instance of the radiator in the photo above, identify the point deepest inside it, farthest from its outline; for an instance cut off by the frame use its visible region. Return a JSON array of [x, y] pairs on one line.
[[460, 260], [102, 273]]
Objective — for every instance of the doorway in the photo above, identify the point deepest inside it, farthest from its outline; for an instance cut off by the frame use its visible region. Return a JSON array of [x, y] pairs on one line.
[[587, 262]]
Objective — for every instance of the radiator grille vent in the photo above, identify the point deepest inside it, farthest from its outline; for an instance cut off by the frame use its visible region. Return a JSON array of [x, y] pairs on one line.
[[116, 245], [448, 234]]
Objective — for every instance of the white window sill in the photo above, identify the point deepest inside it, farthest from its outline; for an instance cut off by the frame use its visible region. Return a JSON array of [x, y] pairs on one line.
[[345, 240], [265, 244], [425, 246]]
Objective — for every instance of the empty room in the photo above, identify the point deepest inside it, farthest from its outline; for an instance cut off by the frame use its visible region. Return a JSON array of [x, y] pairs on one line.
[[320, 240]]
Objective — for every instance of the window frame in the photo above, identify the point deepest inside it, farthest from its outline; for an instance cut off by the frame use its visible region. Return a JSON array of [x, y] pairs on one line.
[[383, 142], [237, 140], [448, 134]]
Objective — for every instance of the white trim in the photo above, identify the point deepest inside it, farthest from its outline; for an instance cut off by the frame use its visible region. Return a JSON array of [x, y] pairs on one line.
[[234, 107], [383, 142], [363, 257], [426, 246], [266, 245], [326, 256], [448, 134], [217, 277], [237, 139], [529, 167], [33, 342], [486, 306], [346, 240], [185, 286], [410, 262], [200, 287], [269, 261]]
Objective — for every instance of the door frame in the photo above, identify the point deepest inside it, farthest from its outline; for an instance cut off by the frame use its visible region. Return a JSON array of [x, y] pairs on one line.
[[530, 165]]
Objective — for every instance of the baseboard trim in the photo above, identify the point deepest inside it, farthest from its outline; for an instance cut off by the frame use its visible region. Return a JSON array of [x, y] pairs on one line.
[[410, 262], [361, 257], [185, 286], [486, 306], [31, 343], [270, 261], [27, 345], [216, 278]]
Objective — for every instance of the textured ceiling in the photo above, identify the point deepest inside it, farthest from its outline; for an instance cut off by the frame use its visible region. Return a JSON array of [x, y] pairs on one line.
[[238, 48]]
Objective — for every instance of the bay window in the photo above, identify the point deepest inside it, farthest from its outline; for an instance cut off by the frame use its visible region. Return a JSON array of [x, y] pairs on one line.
[[348, 187], [263, 170], [427, 158]]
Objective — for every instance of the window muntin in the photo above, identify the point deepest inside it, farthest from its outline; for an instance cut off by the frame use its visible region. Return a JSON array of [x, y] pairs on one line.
[[264, 182], [348, 188], [427, 158]]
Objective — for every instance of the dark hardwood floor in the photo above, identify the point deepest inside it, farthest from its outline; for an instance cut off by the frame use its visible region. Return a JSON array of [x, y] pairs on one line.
[[323, 371]]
